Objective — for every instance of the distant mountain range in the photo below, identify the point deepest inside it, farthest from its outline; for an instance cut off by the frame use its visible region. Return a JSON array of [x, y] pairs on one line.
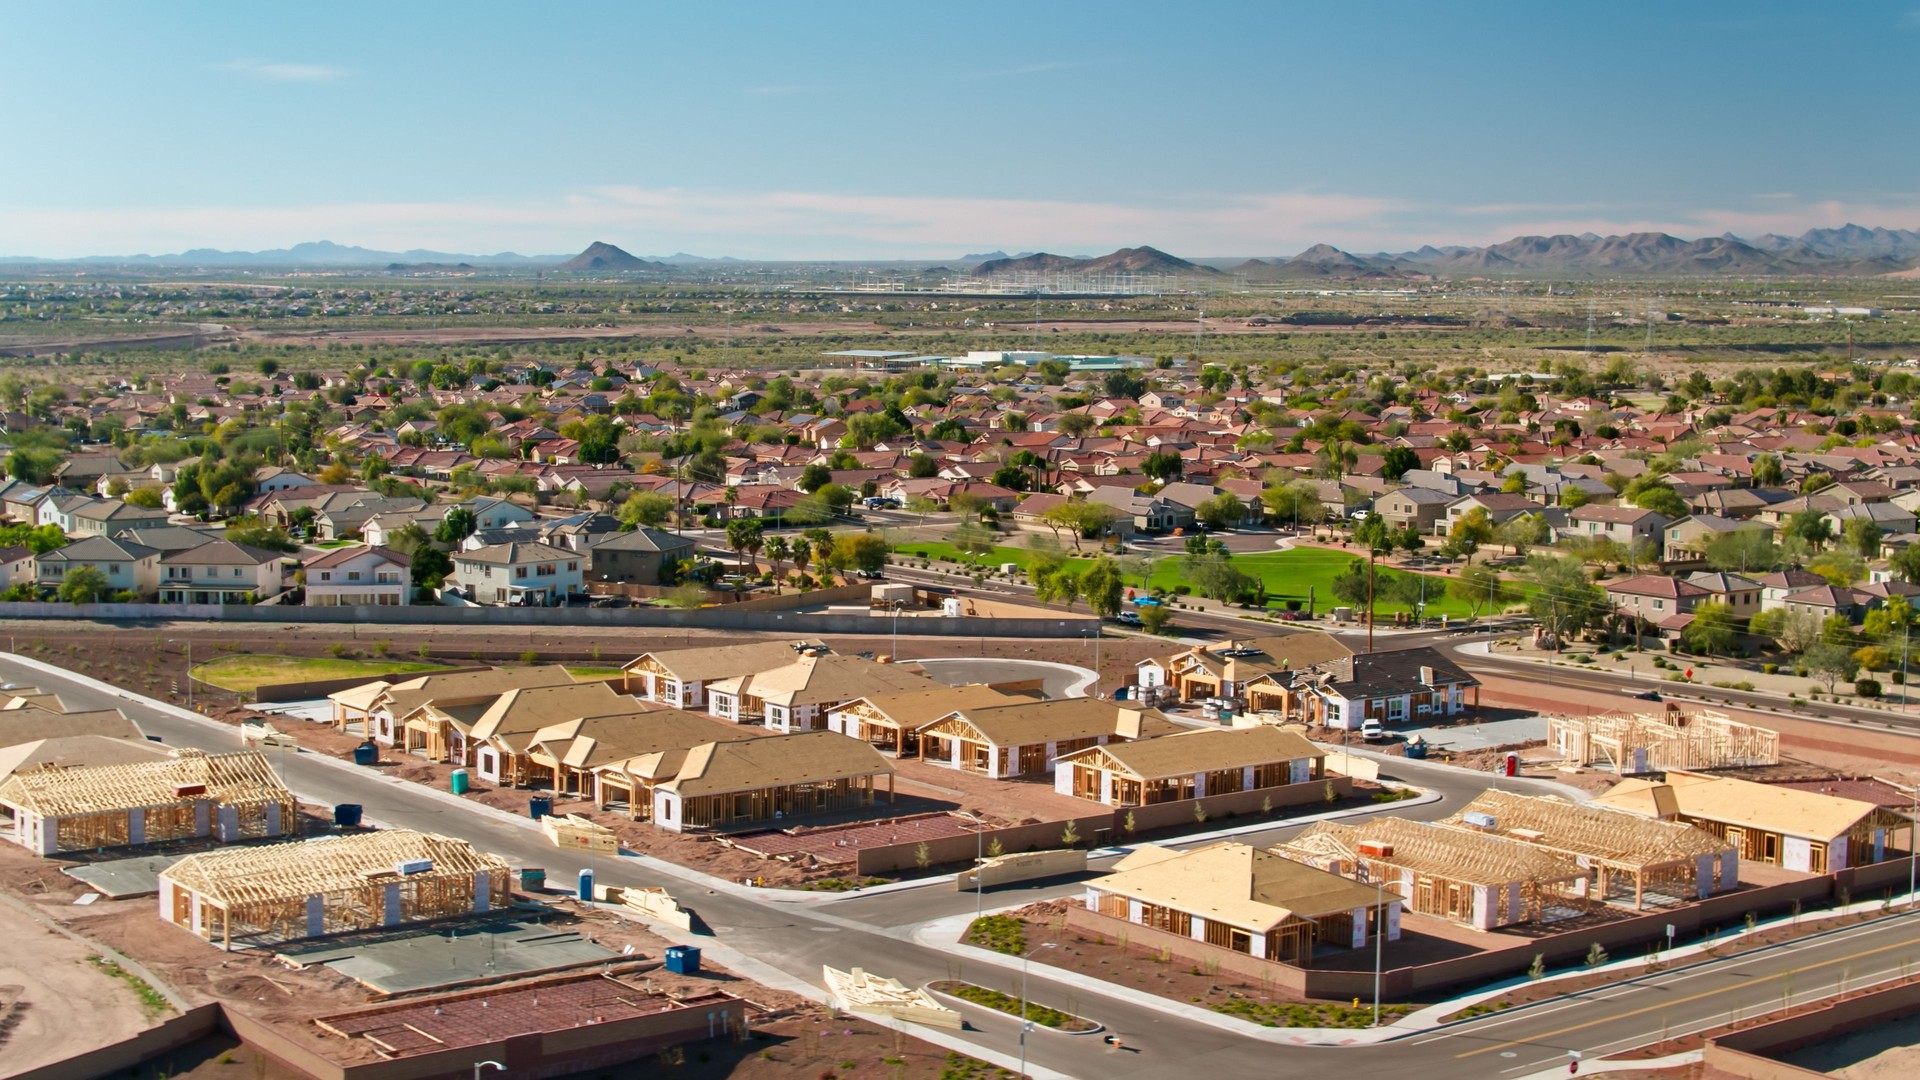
[[1847, 250]]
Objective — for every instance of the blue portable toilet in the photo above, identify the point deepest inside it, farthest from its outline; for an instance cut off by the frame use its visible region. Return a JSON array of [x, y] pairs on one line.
[[683, 959], [586, 885]]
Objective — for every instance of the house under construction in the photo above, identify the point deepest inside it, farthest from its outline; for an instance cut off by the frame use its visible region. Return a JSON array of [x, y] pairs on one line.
[[1628, 859], [189, 793], [1480, 881], [1635, 743], [330, 885]]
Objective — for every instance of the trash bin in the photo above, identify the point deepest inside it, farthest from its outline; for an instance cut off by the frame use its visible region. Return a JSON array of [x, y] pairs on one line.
[[539, 806], [346, 815], [1417, 750], [533, 879], [366, 754], [683, 959], [460, 781]]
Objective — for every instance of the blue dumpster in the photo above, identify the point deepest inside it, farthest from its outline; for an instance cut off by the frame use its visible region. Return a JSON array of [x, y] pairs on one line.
[[1416, 749], [586, 885], [533, 879], [366, 754], [346, 815], [683, 959], [539, 806]]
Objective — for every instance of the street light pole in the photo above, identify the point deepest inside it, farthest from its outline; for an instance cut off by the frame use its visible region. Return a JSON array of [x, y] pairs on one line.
[[1026, 1025], [188, 642], [1379, 936], [478, 1065]]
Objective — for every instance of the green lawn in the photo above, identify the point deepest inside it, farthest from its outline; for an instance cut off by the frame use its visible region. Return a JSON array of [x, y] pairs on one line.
[[588, 674], [243, 672], [1287, 574]]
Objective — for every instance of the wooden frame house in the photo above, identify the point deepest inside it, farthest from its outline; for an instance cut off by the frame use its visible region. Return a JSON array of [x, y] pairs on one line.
[[1623, 852], [892, 721], [757, 781], [679, 677], [503, 735], [331, 885], [230, 797], [1781, 826], [1480, 881], [797, 695]]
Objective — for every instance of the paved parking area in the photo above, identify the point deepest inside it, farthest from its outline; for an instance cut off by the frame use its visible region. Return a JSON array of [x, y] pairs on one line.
[[1481, 736]]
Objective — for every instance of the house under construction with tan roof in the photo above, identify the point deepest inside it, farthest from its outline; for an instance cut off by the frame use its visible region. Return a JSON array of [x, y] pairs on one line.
[[755, 781], [1787, 827], [1630, 858], [379, 707], [1025, 739], [679, 677], [577, 751], [891, 721], [503, 734], [1188, 765], [189, 793], [1480, 881], [1238, 897], [330, 885], [797, 695]]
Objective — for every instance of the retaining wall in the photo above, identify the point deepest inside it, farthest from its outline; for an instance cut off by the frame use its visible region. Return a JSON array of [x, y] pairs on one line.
[[1749, 1054], [126, 1055]]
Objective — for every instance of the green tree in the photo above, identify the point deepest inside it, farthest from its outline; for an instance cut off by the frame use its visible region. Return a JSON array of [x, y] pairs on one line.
[[1296, 501], [1863, 537], [1746, 550], [1156, 618], [455, 526], [1565, 601], [744, 537], [1521, 531], [1103, 584], [1473, 530], [814, 477], [1811, 526], [1714, 631], [1767, 471], [862, 551], [1397, 462], [1222, 511], [430, 567], [1214, 576], [645, 508], [83, 584], [1831, 662], [1163, 465], [1479, 586]]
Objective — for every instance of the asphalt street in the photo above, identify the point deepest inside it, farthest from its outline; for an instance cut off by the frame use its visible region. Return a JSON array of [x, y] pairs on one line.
[[796, 938]]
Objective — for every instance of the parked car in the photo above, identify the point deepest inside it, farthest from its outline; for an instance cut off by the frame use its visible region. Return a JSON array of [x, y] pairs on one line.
[[1371, 731], [870, 575], [1145, 601], [1127, 618]]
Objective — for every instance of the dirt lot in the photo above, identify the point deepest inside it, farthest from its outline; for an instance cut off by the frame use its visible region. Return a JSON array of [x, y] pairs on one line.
[[59, 1004]]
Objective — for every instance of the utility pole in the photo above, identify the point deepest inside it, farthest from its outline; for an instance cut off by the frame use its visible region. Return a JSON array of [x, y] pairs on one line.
[[1369, 601]]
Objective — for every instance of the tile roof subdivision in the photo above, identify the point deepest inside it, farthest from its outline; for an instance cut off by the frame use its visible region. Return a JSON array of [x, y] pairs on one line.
[[1234, 883], [1190, 752]]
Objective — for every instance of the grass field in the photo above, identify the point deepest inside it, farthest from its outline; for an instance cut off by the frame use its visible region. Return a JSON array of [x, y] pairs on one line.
[[1288, 574], [243, 672]]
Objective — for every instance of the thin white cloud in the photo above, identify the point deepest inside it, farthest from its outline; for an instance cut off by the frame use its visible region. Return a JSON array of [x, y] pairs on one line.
[[1028, 69], [271, 71], [778, 91]]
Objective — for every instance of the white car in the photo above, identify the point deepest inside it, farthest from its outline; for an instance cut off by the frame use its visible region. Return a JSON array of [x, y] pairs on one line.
[[1371, 731]]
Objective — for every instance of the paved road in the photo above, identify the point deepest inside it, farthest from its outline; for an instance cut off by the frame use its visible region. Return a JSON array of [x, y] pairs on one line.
[[874, 932]]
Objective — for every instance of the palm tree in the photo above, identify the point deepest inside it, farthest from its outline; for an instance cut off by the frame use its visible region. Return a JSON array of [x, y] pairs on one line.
[[777, 551]]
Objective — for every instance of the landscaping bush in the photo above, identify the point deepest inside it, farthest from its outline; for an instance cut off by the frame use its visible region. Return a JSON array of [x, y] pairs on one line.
[[1182, 590], [1868, 688], [1770, 669], [1001, 933]]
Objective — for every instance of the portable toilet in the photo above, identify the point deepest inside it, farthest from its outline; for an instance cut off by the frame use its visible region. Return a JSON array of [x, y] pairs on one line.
[[586, 885], [460, 782]]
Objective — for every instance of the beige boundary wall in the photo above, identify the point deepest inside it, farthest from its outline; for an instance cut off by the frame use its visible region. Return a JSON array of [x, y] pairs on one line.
[[1008, 869], [126, 1055], [1747, 1054]]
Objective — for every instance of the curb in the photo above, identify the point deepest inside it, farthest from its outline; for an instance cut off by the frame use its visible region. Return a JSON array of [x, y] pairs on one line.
[[1096, 1029]]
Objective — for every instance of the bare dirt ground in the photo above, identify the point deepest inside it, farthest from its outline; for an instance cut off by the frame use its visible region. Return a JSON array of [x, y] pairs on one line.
[[53, 1002]]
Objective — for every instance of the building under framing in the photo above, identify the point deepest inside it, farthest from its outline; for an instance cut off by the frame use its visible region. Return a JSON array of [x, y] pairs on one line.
[[379, 707], [797, 695], [1786, 827], [1238, 897], [1189, 765], [1627, 855], [1025, 739], [189, 793], [1226, 670], [331, 885], [1636, 743], [1479, 881]]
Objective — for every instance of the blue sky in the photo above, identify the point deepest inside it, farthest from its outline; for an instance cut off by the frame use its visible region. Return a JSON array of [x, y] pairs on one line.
[[850, 130]]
